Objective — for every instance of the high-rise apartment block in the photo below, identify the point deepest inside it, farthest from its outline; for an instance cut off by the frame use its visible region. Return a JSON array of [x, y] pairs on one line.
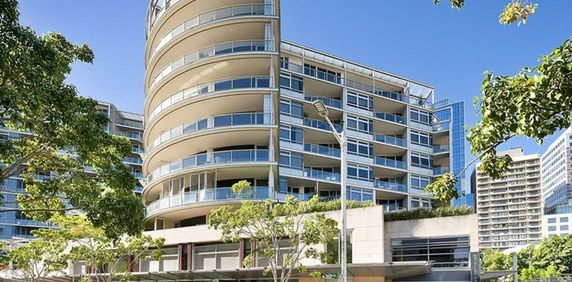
[[227, 100], [509, 208]]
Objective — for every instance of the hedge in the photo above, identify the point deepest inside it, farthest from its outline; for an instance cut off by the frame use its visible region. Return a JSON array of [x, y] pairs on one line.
[[427, 213]]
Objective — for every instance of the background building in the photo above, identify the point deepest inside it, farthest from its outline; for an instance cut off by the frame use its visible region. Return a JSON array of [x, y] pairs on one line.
[[557, 185], [509, 208], [14, 224]]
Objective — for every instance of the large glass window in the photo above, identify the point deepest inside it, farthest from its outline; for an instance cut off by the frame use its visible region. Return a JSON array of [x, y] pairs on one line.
[[360, 172], [441, 251], [291, 160], [291, 108], [360, 101], [420, 116], [291, 134], [360, 124], [292, 82], [360, 148], [362, 195], [421, 160], [421, 138], [419, 183]]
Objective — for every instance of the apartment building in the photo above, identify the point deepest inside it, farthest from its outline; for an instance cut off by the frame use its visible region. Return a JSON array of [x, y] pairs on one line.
[[15, 225], [227, 99], [557, 185], [510, 208]]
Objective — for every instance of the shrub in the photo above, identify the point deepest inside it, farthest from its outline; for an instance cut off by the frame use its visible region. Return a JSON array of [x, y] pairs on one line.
[[421, 213]]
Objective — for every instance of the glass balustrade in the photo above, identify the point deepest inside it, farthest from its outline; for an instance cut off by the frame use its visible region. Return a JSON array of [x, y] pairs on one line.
[[440, 170], [212, 16], [211, 88], [322, 150], [390, 186], [320, 124], [320, 174], [218, 121], [131, 135], [214, 50], [390, 140], [208, 195], [390, 163], [335, 103], [390, 117], [220, 157], [356, 85]]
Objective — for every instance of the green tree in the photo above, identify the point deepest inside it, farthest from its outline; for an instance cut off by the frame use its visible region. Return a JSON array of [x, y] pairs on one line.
[[550, 258], [443, 189], [108, 259], [283, 233], [78, 240], [514, 11], [535, 103], [52, 119], [34, 260]]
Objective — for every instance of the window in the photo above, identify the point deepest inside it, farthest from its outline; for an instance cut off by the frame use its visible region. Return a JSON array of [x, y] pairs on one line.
[[421, 138], [284, 62], [360, 101], [322, 73], [360, 124], [420, 116], [419, 182], [291, 160], [292, 82], [442, 251], [362, 195], [291, 108], [220, 256], [564, 219], [360, 148], [291, 134], [421, 160], [360, 172], [564, 227], [421, 202], [552, 220], [552, 228]]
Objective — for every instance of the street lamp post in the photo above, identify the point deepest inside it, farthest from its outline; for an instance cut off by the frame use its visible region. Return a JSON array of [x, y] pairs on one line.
[[341, 138]]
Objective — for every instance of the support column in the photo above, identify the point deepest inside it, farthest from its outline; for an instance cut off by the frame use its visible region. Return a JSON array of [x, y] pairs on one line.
[[190, 256]]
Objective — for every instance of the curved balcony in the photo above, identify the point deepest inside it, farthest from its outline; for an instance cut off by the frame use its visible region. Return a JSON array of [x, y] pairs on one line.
[[213, 87], [205, 196], [213, 16], [207, 159], [213, 51], [241, 119]]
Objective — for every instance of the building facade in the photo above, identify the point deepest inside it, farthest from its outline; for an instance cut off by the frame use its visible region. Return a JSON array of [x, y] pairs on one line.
[[15, 225], [557, 185], [227, 100], [510, 208]]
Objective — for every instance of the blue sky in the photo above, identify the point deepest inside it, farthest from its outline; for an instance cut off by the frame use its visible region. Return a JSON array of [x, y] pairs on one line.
[[445, 48]]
